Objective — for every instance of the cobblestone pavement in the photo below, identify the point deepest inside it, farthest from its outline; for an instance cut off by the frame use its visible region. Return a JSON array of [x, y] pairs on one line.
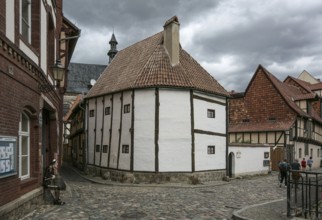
[[87, 200]]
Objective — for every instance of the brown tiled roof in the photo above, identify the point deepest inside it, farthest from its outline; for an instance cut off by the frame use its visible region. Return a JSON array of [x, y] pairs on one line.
[[316, 86], [146, 64], [260, 126]]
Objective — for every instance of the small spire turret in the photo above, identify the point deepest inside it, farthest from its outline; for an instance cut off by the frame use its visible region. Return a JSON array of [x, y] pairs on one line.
[[113, 51]]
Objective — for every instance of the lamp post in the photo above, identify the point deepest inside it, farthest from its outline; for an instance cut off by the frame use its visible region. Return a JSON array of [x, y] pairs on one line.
[[58, 74]]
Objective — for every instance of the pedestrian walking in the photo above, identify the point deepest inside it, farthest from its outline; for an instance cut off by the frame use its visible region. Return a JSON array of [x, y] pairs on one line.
[[303, 164], [283, 166], [310, 163]]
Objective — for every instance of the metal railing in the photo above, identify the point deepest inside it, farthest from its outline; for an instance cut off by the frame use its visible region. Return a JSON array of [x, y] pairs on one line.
[[304, 194]]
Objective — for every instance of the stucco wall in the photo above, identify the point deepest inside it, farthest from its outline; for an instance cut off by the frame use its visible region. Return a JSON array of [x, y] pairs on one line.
[[125, 158], [313, 151], [249, 159], [91, 133], [174, 131], [99, 124], [205, 161], [116, 121], [106, 130], [144, 125]]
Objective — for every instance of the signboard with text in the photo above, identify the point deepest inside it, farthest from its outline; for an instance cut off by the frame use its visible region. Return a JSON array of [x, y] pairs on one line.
[[8, 149]]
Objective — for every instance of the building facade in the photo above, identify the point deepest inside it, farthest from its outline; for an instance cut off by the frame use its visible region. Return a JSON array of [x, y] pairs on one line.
[[33, 35], [156, 114], [286, 116]]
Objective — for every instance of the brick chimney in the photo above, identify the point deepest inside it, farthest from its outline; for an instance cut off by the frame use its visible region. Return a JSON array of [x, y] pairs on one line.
[[171, 39]]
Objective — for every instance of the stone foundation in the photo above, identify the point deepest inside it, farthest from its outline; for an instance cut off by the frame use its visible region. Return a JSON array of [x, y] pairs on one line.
[[140, 177], [22, 206]]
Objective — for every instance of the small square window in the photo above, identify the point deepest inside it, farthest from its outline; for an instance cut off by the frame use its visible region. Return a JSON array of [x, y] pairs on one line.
[[91, 113], [97, 148], [107, 110], [211, 113], [266, 155], [125, 149], [211, 149], [105, 147], [126, 108]]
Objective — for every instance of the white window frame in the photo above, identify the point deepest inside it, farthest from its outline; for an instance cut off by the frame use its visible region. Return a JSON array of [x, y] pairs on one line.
[[21, 135], [25, 21]]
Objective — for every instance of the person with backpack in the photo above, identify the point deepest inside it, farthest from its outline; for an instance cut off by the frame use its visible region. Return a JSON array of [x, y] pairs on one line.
[[283, 166]]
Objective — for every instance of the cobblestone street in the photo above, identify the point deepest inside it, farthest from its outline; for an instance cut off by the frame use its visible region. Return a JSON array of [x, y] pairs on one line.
[[88, 200]]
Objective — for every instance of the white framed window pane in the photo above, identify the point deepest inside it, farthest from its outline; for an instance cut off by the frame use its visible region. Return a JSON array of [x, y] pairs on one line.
[[24, 166], [24, 146], [24, 123]]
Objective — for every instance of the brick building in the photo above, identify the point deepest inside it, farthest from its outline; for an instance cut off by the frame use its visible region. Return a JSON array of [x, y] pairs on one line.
[[286, 116], [33, 36]]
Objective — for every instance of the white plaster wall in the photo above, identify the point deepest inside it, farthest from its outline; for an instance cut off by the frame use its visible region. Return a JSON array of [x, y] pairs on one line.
[[115, 129], [316, 158], [174, 131], [202, 122], [10, 20], [205, 161], [99, 128], [28, 51], [106, 130], [125, 158], [144, 124], [91, 133], [249, 160]]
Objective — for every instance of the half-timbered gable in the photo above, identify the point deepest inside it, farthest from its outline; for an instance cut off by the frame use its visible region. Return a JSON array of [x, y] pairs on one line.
[[278, 114]]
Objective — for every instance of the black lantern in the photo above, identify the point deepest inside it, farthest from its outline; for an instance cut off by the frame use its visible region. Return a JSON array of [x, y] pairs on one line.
[[58, 74]]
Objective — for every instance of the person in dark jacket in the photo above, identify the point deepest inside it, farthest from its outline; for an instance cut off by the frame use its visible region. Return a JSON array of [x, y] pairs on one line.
[[283, 166]]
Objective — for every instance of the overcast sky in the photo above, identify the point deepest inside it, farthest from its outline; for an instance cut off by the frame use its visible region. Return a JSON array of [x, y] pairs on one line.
[[229, 38]]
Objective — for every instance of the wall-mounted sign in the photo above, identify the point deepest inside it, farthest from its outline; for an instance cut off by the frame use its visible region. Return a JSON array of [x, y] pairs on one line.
[[266, 155], [238, 154], [8, 150], [265, 163]]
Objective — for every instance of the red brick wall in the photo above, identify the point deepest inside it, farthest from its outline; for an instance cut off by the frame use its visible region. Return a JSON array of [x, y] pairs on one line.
[[3, 16], [261, 101], [19, 92]]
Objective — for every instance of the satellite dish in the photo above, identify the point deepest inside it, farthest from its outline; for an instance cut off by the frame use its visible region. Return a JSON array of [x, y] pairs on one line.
[[93, 81]]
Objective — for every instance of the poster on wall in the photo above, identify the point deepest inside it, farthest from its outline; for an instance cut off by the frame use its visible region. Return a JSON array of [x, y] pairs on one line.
[[8, 151]]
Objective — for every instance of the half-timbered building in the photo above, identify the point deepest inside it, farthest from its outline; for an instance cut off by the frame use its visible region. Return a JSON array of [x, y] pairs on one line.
[[155, 113], [286, 116]]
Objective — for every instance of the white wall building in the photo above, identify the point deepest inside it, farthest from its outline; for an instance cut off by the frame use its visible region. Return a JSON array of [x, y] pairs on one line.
[[157, 112]]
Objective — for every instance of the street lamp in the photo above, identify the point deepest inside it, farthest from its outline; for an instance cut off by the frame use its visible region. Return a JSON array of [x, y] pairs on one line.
[[58, 74]]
